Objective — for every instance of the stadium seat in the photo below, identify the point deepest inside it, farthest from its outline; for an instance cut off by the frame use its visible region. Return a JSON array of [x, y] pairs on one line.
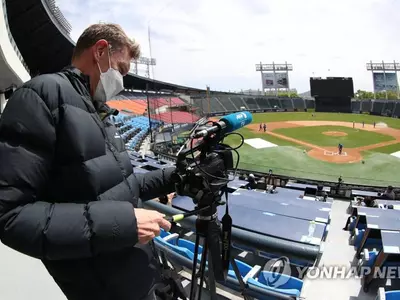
[[352, 224], [177, 249], [370, 242], [390, 295], [290, 286], [367, 258]]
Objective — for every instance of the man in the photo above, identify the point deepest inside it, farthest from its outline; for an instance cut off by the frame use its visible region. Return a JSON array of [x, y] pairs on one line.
[[252, 182], [68, 195], [340, 148], [370, 202], [389, 193]]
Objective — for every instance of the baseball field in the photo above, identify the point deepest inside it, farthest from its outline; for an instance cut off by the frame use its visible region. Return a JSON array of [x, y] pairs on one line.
[[305, 145]]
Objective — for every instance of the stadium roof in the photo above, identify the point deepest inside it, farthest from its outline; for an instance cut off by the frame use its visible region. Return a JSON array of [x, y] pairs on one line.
[[42, 36]]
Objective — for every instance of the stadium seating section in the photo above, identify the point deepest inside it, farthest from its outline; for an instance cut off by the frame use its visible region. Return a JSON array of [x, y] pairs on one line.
[[229, 103], [390, 108], [253, 276], [136, 103], [176, 117], [133, 130]]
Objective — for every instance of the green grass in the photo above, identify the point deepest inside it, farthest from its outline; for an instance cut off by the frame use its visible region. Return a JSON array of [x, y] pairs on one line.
[[354, 138], [290, 160], [307, 116], [234, 140], [387, 149]]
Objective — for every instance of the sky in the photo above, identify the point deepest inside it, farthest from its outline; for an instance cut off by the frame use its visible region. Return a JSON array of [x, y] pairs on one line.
[[218, 42]]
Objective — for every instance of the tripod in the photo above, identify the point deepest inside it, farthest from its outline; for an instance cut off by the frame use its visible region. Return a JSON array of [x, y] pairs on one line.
[[208, 230]]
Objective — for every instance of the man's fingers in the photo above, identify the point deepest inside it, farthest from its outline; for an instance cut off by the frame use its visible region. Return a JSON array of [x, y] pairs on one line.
[[147, 238], [156, 230], [164, 224]]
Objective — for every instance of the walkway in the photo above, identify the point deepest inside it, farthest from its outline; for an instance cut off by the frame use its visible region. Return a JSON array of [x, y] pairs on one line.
[[337, 252], [22, 277]]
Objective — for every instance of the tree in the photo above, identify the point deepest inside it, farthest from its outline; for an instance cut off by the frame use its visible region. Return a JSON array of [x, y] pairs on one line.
[[391, 95], [360, 94], [291, 94]]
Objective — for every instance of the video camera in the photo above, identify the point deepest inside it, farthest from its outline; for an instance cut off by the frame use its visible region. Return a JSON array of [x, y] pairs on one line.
[[202, 174], [202, 171]]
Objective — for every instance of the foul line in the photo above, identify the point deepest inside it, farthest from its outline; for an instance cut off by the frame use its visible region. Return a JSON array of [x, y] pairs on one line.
[[284, 137]]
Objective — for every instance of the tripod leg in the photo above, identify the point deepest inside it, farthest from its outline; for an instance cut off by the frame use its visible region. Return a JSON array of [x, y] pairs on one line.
[[203, 266], [239, 278], [211, 278], [193, 288]]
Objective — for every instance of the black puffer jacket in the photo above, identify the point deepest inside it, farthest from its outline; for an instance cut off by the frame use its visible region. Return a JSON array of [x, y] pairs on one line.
[[67, 190]]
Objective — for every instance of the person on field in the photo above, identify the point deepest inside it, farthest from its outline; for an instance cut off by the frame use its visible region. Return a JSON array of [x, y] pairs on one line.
[[265, 127], [340, 148], [261, 126], [374, 124], [68, 194]]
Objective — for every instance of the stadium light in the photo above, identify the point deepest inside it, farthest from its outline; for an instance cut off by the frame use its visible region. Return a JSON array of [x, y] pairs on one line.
[[384, 77], [144, 61]]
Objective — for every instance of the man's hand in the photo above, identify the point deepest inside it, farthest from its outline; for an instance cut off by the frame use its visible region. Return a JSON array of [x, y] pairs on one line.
[[149, 224]]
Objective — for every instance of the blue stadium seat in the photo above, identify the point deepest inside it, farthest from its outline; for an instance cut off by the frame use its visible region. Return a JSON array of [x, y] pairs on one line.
[[250, 275], [367, 258], [290, 286], [358, 236], [391, 295], [244, 269], [189, 245], [352, 224]]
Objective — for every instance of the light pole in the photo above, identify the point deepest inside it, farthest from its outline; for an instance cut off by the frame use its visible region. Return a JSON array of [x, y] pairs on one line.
[[149, 31]]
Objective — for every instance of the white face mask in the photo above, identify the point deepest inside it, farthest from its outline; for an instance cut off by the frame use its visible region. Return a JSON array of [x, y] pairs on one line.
[[111, 83]]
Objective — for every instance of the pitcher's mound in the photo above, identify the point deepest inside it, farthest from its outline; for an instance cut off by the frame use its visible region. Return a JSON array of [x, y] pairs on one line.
[[330, 154], [335, 133]]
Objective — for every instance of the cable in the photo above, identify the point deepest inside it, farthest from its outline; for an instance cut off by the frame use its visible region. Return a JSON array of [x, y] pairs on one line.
[[235, 133], [216, 151]]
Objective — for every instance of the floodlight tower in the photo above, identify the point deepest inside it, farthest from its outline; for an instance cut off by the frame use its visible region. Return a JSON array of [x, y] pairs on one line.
[[144, 61], [384, 76]]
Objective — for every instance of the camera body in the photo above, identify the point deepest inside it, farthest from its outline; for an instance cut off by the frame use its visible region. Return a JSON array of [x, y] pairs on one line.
[[203, 177]]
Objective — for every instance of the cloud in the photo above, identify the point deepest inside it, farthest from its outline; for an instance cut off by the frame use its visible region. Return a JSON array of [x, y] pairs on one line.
[[219, 42]]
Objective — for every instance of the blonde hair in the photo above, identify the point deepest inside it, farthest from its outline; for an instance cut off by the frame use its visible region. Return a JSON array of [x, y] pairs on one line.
[[112, 33]]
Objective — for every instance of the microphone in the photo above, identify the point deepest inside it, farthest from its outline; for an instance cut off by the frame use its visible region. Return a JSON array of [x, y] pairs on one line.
[[226, 124]]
